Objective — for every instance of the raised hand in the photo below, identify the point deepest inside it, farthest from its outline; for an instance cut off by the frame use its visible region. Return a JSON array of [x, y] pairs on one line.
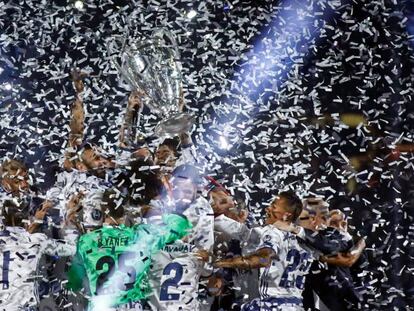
[[77, 76], [135, 99]]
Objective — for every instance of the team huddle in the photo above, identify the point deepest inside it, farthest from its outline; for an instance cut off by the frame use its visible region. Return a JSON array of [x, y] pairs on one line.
[[145, 230]]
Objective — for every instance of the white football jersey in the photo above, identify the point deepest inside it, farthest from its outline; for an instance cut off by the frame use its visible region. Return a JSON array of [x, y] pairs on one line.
[[20, 253], [285, 278], [176, 269], [201, 216], [174, 278], [245, 282], [70, 183]]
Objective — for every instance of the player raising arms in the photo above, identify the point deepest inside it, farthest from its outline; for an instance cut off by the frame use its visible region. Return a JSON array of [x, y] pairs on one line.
[[20, 253], [282, 261]]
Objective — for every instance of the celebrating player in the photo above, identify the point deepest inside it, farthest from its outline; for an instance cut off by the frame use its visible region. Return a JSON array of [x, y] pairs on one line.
[[116, 258], [228, 286], [177, 268], [282, 261], [329, 279], [20, 253]]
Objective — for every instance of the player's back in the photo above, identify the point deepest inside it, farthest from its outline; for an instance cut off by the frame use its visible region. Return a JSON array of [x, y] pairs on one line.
[[117, 259], [286, 275], [114, 259], [176, 270], [174, 278], [20, 253]]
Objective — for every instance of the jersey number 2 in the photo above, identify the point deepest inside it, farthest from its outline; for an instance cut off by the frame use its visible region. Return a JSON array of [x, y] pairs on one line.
[[173, 281]]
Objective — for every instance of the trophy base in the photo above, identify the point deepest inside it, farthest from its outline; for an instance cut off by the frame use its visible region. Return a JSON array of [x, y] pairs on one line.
[[174, 125]]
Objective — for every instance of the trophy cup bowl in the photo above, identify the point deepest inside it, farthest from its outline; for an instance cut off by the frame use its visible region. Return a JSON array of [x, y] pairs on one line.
[[153, 66]]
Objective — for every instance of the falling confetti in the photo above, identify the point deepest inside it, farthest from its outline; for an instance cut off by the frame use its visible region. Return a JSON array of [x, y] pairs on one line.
[[314, 96]]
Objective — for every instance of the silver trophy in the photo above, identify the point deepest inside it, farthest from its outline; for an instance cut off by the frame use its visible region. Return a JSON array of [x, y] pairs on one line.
[[153, 67]]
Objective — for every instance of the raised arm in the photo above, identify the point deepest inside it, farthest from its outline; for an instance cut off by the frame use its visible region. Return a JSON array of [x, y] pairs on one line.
[[259, 259], [188, 152], [128, 131], [77, 111], [175, 227], [39, 216]]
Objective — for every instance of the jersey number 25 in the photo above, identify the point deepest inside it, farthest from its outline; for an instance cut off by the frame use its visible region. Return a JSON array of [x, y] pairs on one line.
[[106, 276]]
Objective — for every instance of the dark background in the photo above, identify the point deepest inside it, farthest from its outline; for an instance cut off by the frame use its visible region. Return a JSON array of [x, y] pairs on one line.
[[314, 96]]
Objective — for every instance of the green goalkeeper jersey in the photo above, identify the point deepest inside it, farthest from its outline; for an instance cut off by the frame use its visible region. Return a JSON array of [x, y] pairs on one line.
[[116, 260]]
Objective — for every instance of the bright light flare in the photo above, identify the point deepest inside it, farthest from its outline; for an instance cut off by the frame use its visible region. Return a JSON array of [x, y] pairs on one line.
[[79, 4], [223, 143], [191, 14]]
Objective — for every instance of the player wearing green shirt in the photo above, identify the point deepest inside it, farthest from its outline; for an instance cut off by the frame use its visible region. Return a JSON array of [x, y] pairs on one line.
[[116, 259]]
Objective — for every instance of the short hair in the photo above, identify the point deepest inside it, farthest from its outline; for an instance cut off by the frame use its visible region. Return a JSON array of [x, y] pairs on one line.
[[113, 204], [187, 171], [337, 212], [171, 143], [292, 203], [144, 183], [95, 148], [215, 186], [75, 155], [11, 166], [315, 205]]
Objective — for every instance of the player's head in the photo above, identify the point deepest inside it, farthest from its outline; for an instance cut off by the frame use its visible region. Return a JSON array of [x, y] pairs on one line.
[[221, 201], [144, 182], [14, 177], [184, 184], [94, 159], [315, 214], [285, 207], [112, 205], [337, 219], [166, 153], [89, 158]]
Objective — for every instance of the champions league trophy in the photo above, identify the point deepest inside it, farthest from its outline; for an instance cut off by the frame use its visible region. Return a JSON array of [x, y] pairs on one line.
[[153, 67]]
